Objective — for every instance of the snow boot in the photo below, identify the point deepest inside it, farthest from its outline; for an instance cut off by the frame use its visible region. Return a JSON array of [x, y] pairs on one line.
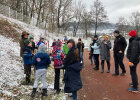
[[33, 93], [44, 93]]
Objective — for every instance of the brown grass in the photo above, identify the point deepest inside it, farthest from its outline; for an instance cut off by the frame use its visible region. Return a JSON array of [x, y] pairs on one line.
[[7, 30]]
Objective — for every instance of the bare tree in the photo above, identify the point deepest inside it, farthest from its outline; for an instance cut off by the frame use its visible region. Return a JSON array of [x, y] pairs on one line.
[[135, 21], [98, 13]]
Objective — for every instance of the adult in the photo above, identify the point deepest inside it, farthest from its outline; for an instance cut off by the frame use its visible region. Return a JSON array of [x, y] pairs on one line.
[[24, 36], [96, 51], [80, 46], [133, 56], [119, 49], [73, 66], [54, 43], [105, 53]]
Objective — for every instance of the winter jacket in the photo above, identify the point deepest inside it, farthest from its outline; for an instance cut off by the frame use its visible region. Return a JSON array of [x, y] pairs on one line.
[[120, 44], [65, 49], [80, 47], [72, 76], [105, 50], [58, 57], [96, 47], [133, 48], [27, 55], [41, 60], [40, 43], [22, 45]]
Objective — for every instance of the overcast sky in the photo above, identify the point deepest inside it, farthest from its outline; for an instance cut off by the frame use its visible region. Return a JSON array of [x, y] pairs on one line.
[[117, 8]]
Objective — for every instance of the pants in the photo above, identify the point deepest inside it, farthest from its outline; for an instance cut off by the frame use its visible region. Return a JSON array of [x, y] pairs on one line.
[[74, 94], [133, 74], [96, 56], [40, 73], [108, 64], [82, 56], [118, 58], [92, 59], [27, 71], [57, 79]]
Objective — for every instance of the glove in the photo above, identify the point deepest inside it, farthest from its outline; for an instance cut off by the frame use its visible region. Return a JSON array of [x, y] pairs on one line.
[[131, 64]]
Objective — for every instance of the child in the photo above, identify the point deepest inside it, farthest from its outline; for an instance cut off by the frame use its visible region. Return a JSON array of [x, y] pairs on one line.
[[58, 57], [27, 57], [41, 61]]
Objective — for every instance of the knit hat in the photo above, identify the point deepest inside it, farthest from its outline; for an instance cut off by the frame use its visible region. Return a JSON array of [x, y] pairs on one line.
[[116, 31], [133, 33], [106, 36], [79, 39], [30, 37], [26, 42], [65, 39], [42, 48]]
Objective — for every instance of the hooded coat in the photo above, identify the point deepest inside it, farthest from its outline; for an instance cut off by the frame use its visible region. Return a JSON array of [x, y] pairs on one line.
[[41, 60], [72, 76]]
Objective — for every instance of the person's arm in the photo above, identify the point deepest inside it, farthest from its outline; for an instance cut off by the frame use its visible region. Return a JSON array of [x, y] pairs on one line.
[[48, 60], [109, 45], [124, 44], [34, 60]]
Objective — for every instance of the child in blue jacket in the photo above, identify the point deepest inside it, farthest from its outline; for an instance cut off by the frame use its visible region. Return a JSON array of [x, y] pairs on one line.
[[27, 58], [41, 61]]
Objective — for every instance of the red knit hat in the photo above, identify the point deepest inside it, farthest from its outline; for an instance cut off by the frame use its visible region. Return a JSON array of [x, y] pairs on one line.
[[133, 33]]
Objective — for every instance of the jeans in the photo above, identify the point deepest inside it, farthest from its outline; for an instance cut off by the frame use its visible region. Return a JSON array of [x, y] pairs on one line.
[[27, 71], [82, 56], [74, 94], [40, 73]]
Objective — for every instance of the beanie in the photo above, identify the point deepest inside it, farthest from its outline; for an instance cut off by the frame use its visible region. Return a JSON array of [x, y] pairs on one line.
[[133, 33], [26, 42], [79, 39]]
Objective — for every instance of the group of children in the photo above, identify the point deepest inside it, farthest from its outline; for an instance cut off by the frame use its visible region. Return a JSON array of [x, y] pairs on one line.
[[41, 60]]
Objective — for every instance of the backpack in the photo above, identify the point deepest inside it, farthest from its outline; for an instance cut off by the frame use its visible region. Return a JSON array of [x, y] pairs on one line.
[[59, 54]]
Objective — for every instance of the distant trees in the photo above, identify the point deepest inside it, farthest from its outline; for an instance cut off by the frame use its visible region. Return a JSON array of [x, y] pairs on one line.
[[57, 15]]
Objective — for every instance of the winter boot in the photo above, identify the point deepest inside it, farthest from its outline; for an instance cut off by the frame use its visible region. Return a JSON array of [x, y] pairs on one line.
[[33, 93], [44, 93]]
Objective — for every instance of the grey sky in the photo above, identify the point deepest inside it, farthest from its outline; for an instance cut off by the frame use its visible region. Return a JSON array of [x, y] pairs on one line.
[[117, 8]]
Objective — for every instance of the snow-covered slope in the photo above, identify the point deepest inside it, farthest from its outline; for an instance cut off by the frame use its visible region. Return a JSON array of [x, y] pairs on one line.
[[10, 65]]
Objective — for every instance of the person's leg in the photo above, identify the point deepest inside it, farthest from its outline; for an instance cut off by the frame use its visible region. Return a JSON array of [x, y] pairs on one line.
[[102, 64], [44, 93], [74, 94], [44, 72], [94, 59], [134, 77], [116, 64], [96, 56], [82, 57], [121, 57], [108, 66], [91, 59], [37, 77], [57, 78], [28, 73]]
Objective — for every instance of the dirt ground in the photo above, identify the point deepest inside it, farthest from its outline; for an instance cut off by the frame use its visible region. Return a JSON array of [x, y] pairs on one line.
[[104, 86]]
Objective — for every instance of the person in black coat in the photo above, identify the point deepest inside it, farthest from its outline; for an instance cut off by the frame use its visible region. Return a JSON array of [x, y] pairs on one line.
[[133, 56], [72, 67], [119, 49]]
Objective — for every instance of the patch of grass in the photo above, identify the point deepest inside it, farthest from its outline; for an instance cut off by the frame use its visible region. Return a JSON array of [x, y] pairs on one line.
[[7, 30]]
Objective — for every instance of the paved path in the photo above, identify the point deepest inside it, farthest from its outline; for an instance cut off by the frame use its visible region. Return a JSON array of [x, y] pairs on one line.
[[98, 86]]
